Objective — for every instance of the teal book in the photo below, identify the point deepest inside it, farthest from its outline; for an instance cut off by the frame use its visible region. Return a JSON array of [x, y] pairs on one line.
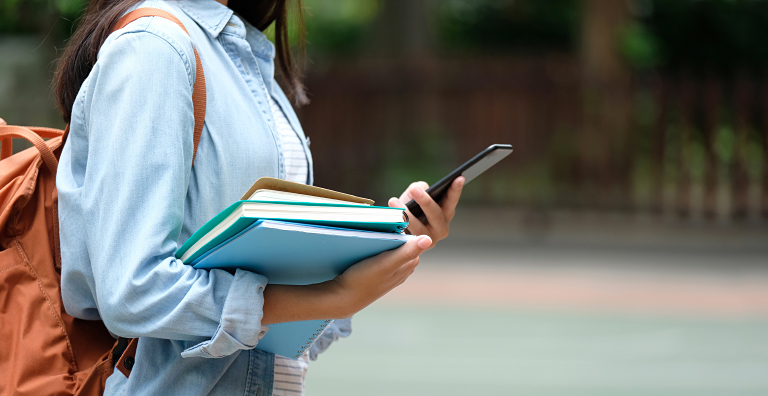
[[242, 214], [296, 254]]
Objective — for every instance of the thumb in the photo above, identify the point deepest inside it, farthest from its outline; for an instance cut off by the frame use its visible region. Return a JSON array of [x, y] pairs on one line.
[[415, 247]]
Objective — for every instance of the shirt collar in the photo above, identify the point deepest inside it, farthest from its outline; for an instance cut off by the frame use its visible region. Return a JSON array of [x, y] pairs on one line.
[[260, 44], [211, 15]]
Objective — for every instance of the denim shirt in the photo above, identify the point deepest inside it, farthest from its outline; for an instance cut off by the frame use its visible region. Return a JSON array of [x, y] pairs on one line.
[[129, 196]]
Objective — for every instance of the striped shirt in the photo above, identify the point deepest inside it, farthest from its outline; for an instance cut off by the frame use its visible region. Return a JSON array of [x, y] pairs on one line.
[[293, 152], [289, 373]]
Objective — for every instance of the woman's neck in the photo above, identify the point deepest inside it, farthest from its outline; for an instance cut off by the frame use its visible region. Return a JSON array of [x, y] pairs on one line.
[[225, 2]]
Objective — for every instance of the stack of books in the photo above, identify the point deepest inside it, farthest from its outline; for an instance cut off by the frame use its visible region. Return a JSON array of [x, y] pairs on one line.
[[294, 234]]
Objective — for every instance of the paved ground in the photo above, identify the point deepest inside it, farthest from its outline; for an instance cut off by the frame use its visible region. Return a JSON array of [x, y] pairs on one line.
[[567, 305]]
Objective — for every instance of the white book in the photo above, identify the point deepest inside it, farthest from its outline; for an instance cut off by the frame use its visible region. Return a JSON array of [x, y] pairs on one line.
[[273, 195]]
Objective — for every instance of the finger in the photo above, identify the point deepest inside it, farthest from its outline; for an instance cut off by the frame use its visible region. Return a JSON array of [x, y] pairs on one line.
[[405, 277], [395, 203], [433, 212], [415, 226], [406, 196], [451, 198], [408, 253], [392, 260], [406, 268], [412, 249], [410, 266]]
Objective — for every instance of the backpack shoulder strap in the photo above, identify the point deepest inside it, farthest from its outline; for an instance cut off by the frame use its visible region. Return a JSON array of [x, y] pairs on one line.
[[198, 90]]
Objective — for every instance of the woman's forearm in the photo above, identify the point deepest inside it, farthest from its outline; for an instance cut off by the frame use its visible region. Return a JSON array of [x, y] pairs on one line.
[[290, 303]]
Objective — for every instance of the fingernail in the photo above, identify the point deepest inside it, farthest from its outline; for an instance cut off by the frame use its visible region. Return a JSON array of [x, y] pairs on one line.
[[416, 192], [425, 242], [461, 182]]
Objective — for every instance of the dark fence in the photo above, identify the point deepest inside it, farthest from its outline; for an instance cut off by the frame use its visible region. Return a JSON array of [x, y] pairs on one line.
[[713, 133], [692, 145]]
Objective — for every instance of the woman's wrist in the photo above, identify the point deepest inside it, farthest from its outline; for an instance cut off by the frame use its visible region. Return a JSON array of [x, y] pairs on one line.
[[332, 301], [339, 301], [290, 303]]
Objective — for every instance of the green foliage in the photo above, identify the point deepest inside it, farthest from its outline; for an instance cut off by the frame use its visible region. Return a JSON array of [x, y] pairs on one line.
[[30, 16], [710, 35], [338, 27], [698, 157], [496, 25], [699, 35], [725, 144], [754, 159], [70, 7], [639, 47], [428, 156]]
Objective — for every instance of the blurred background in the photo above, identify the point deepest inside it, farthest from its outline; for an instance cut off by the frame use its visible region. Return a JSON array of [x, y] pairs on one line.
[[621, 249]]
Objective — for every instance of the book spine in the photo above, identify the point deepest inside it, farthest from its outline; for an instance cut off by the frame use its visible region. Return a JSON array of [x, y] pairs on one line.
[[312, 339]]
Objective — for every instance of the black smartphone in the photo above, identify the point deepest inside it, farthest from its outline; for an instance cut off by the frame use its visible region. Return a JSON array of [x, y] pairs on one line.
[[470, 170]]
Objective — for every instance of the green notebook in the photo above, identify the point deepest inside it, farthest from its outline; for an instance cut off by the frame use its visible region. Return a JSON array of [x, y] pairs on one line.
[[242, 214]]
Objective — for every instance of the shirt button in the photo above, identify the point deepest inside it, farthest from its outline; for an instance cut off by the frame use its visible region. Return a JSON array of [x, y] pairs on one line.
[[128, 362]]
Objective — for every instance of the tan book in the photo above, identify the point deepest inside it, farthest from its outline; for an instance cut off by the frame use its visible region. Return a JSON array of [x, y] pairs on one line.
[[277, 185]]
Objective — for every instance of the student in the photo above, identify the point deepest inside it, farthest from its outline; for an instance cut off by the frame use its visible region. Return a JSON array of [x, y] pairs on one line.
[[129, 195]]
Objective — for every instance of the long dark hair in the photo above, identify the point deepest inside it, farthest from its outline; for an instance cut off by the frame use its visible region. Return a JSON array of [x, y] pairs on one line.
[[94, 27]]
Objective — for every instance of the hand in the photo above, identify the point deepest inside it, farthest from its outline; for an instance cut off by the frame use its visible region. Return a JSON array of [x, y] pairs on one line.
[[348, 293], [438, 216], [372, 278]]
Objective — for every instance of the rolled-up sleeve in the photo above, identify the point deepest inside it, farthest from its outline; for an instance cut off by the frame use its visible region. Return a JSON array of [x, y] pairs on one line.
[[237, 323], [139, 116]]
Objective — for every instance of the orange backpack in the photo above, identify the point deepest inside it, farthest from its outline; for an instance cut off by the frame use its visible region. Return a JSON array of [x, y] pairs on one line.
[[43, 350]]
